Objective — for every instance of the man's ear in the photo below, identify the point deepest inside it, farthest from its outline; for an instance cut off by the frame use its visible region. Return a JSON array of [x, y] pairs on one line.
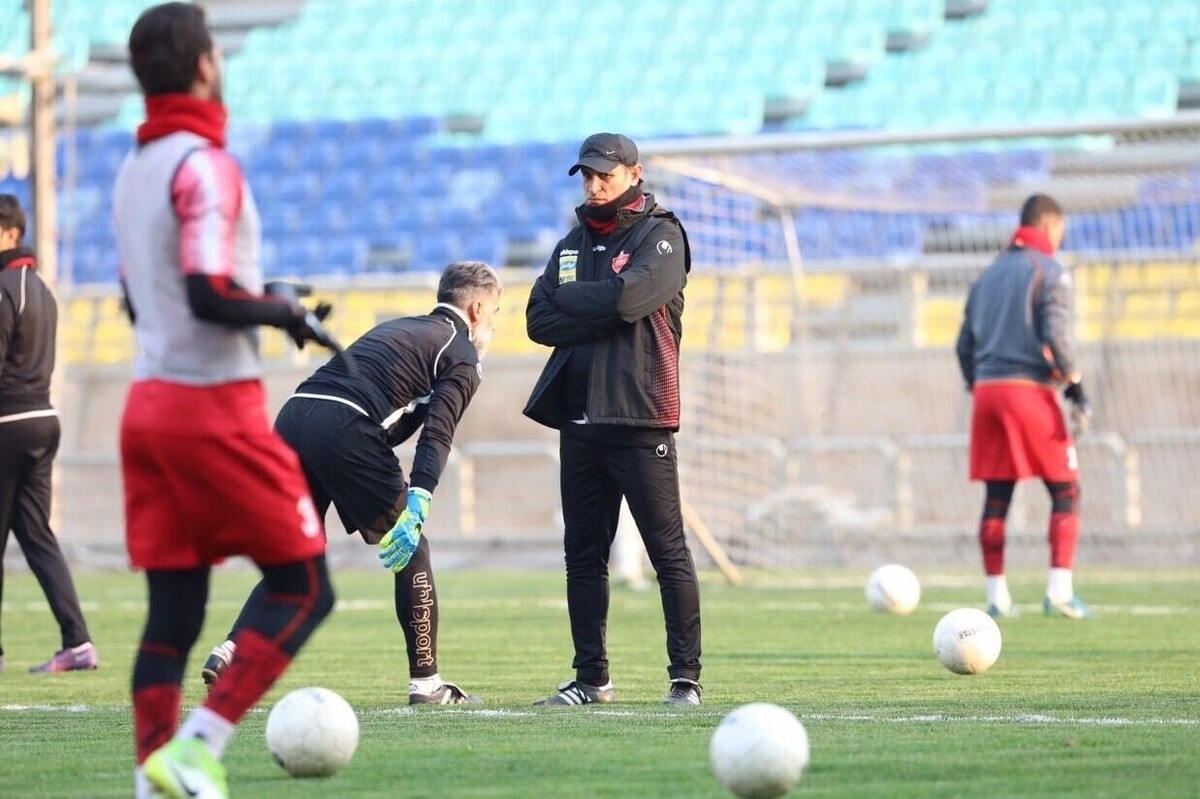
[[206, 68]]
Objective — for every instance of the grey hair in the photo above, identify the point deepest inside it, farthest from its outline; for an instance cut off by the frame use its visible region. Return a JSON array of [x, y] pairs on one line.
[[463, 281]]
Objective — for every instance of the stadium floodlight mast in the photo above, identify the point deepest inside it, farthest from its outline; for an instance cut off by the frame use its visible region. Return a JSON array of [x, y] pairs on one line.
[[37, 67]]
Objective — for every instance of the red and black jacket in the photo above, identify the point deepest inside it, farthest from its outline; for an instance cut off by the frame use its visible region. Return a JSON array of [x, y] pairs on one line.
[[28, 327], [615, 302]]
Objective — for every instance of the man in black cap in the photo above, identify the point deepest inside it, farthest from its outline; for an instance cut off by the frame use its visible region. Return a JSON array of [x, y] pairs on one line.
[[610, 304]]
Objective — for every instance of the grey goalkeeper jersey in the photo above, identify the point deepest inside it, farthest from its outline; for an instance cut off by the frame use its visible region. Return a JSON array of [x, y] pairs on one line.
[[1019, 321], [182, 207]]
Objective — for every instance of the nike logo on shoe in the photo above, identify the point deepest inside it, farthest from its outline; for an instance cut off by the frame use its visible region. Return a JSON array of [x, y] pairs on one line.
[[177, 773]]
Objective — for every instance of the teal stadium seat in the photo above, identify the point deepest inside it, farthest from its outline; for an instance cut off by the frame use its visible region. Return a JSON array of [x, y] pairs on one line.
[[1154, 95]]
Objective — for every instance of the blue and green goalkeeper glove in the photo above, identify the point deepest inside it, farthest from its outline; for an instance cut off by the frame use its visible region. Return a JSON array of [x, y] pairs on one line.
[[397, 547]]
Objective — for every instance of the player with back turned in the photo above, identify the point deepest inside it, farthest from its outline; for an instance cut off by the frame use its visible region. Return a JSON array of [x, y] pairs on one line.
[[205, 477], [1016, 343]]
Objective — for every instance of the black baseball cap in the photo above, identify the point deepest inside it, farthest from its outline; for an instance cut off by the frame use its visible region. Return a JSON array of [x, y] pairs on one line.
[[604, 152]]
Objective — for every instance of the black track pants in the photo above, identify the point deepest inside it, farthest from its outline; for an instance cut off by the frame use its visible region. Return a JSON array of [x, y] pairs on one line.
[[600, 465], [27, 450]]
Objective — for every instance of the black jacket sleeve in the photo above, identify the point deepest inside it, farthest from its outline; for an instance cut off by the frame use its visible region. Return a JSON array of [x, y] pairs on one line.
[[452, 394], [655, 274], [548, 324], [220, 299]]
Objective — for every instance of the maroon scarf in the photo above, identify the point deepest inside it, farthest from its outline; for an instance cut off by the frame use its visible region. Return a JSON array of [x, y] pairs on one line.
[[171, 113], [1032, 237], [17, 258]]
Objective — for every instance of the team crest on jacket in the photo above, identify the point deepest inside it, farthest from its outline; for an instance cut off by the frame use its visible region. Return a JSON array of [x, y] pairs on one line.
[[620, 261]]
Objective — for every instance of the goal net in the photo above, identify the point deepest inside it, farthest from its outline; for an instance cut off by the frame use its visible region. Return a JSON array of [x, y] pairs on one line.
[[825, 419]]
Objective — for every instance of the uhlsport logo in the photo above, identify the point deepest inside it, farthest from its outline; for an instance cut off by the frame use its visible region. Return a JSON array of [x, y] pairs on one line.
[[661, 450], [664, 247]]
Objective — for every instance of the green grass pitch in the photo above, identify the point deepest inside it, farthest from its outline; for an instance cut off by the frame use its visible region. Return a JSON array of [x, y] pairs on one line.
[[1107, 708]]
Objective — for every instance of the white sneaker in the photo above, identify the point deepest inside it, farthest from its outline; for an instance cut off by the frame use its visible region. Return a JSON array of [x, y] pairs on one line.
[[218, 660]]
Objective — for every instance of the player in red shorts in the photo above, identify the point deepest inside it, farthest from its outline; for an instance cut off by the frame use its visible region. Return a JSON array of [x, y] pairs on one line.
[[205, 477], [1015, 345]]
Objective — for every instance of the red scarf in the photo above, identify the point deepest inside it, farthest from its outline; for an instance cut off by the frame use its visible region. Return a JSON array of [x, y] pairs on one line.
[[607, 227], [16, 258], [171, 113], [1032, 237]]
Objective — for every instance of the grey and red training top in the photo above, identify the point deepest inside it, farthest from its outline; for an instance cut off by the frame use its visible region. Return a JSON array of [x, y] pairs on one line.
[[1019, 317]]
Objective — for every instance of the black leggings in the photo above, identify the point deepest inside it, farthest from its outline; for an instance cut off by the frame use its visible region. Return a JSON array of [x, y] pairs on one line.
[[1064, 497], [285, 607]]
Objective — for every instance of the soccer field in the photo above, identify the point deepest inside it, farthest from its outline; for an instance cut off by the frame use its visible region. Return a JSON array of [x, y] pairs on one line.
[[1109, 708]]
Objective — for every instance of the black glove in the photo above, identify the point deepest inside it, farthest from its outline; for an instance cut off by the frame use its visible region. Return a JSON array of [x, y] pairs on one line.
[[1081, 409], [308, 327]]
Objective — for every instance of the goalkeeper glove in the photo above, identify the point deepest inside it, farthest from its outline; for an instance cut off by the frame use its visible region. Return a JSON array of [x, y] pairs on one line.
[[1081, 409], [397, 547]]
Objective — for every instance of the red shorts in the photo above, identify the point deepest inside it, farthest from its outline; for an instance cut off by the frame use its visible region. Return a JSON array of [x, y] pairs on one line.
[[206, 478], [1017, 431]]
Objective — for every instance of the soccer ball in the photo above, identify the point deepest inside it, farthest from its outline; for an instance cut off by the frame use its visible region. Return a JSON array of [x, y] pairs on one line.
[[967, 641], [893, 589], [312, 732], [759, 751]]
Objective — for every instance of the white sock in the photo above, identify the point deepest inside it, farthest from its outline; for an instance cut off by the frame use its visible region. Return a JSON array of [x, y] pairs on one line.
[[997, 592], [206, 725], [141, 785], [424, 685], [1058, 586], [230, 647]]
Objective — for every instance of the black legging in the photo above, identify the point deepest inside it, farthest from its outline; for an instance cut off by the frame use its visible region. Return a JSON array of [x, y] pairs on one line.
[[285, 607], [1064, 497]]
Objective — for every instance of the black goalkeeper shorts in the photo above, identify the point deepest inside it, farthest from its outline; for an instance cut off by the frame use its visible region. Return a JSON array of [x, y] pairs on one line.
[[347, 462]]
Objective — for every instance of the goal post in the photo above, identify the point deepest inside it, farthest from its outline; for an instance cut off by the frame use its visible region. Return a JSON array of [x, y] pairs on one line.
[[825, 420]]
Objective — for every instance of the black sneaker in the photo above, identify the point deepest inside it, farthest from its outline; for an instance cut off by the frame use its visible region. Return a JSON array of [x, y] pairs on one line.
[[573, 693], [218, 660], [684, 693], [445, 694]]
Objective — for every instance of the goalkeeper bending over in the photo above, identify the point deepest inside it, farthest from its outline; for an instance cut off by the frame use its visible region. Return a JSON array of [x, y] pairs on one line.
[[413, 372]]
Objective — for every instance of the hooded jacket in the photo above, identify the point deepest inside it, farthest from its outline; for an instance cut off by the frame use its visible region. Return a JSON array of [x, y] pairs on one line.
[[620, 298]]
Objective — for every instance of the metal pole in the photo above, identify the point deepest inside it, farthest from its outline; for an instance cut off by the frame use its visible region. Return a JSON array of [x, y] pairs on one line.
[[41, 76], [40, 70]]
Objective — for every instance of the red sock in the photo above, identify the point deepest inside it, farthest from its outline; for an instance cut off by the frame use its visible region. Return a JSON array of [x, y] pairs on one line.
[[155, 717], [1064, 532], [991, 541], [254, 669]]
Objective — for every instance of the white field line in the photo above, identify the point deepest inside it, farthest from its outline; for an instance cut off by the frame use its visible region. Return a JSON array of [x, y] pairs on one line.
[[803, 606], [342, 606], [850, 718]]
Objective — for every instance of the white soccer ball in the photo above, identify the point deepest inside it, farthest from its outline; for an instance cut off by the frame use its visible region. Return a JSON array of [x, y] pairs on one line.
[[967, 641], [893, 589], [312, 732], [759, 751]]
